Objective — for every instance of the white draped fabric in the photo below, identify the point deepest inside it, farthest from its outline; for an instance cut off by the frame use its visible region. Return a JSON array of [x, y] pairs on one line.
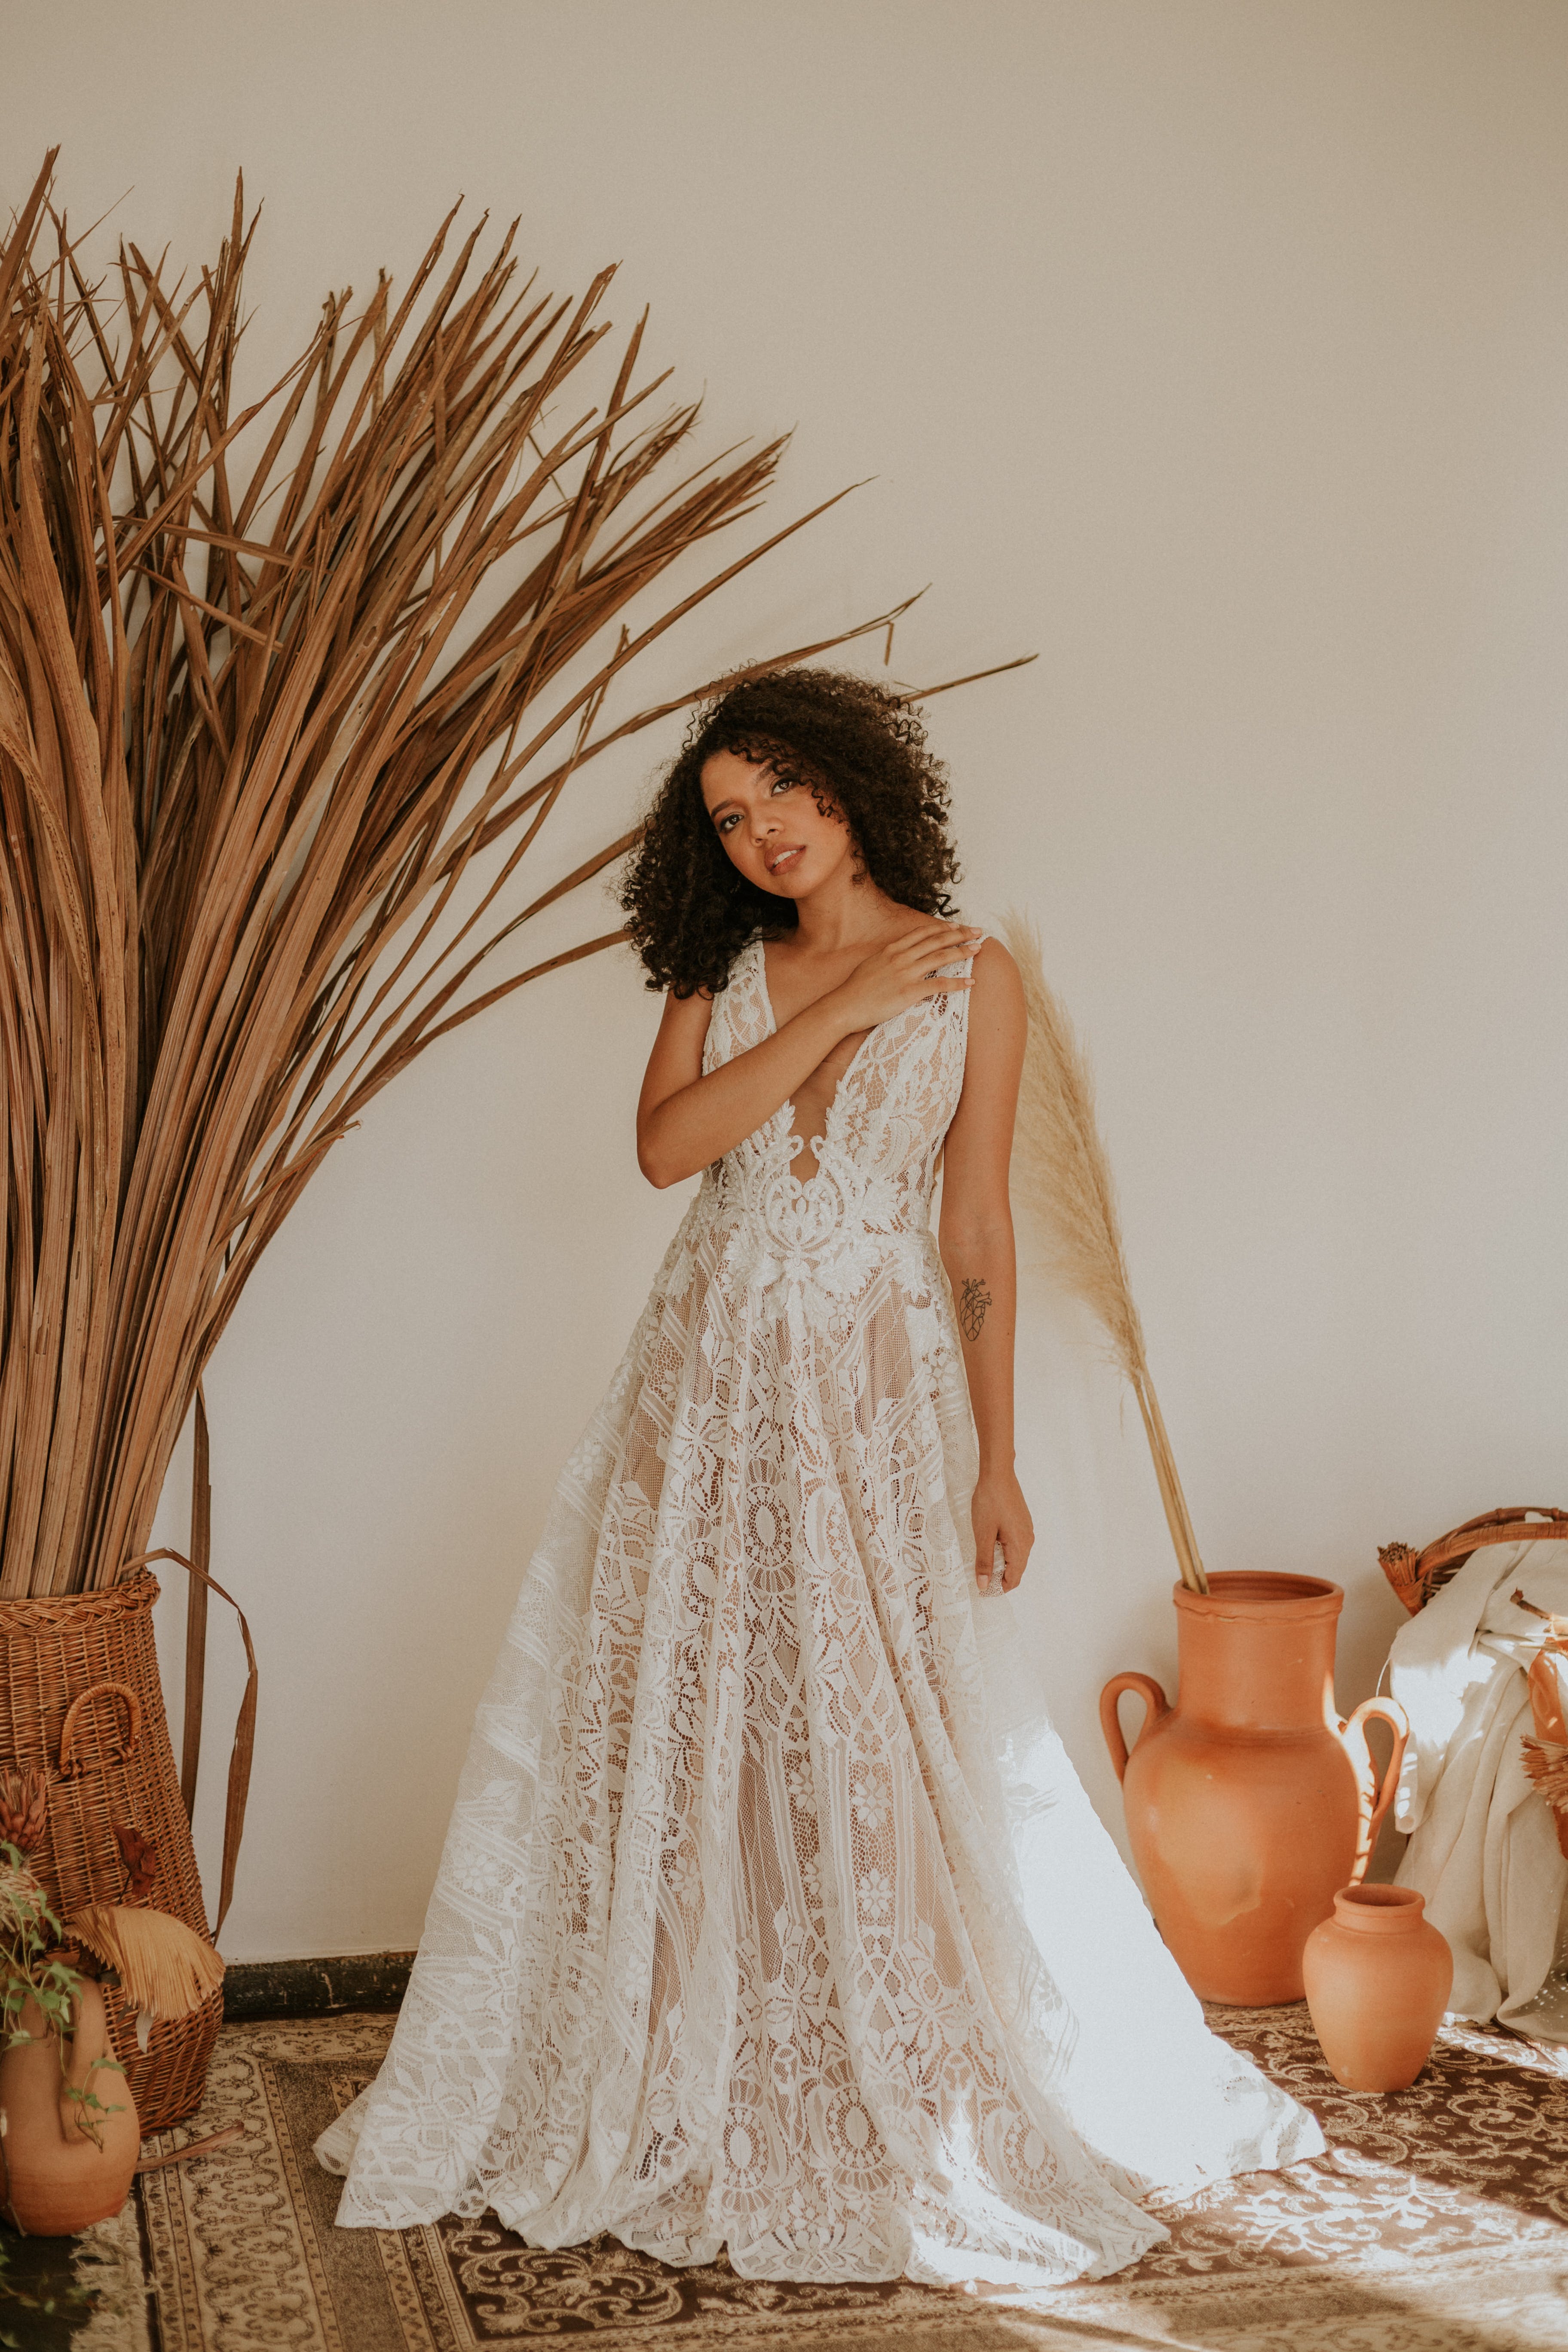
[[772, 1914], [1483, 1843]]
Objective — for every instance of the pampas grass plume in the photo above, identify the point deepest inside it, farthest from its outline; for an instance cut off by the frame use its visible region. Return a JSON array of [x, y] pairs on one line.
[[1062, 1184]]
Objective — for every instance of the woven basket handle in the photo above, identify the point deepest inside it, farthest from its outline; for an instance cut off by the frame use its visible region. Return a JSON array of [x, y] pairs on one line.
[[244, 1731], [1518, 1525], [1417, 1575], [70, 1764]]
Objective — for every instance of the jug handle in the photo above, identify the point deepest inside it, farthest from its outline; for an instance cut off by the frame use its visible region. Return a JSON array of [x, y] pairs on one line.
[[1389, 1711], [1153, 1698]]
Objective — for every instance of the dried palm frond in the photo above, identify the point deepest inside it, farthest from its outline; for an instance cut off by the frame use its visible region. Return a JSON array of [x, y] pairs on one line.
[[287, 690], [1546, 1761], [165, 1969], [1062, 1182]]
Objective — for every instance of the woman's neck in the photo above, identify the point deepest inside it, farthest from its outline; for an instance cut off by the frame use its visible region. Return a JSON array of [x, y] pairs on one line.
[[844, 913]]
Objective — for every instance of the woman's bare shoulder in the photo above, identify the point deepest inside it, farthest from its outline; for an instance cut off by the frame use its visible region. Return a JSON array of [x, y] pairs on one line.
[[997, 976]]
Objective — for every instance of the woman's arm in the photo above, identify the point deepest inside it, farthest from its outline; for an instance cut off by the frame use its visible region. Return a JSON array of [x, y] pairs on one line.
[[977, 1250], [686, 1121]]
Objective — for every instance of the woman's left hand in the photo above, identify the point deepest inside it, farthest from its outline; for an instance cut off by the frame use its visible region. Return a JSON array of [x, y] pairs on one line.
[[1001, 1515]]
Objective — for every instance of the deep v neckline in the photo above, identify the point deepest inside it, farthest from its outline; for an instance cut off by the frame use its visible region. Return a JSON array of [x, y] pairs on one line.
[[809, 1142]]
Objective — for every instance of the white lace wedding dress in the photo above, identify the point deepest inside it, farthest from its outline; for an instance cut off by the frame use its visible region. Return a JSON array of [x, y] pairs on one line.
[[772, 1914]]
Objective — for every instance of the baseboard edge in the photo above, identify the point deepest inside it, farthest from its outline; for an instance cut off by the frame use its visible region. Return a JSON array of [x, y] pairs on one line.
[[253, 1989]]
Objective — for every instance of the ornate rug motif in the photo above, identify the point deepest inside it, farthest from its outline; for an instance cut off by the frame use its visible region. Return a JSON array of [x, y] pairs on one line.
[[1437, 2222]]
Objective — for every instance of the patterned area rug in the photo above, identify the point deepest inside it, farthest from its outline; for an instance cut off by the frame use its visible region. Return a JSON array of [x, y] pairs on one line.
[[1437, 2222]]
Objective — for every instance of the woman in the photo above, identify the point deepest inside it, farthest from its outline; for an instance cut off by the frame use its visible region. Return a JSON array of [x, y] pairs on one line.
[[730, 1945]]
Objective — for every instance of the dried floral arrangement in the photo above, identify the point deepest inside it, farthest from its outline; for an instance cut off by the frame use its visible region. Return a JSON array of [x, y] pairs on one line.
[[288, 689], [1062, 1184]]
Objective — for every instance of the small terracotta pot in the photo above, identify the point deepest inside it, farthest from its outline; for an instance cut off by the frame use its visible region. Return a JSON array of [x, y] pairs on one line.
[[1378, 1979], [1249, 1803], [54, 2179]]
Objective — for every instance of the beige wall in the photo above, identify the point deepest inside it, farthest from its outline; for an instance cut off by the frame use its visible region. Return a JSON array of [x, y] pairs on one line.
[[1217, 352]]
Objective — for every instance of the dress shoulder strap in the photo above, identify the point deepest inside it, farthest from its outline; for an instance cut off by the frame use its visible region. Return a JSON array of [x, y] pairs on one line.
[[740, 1014]]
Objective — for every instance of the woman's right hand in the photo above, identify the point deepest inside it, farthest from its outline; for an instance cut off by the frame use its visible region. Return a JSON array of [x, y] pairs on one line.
[[903, 971]]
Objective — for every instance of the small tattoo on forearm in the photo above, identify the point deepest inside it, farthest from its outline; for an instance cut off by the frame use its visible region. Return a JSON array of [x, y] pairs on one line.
[[972, 1301]]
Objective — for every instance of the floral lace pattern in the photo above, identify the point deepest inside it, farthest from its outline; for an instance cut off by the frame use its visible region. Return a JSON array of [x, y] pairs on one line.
[[727, 1947]]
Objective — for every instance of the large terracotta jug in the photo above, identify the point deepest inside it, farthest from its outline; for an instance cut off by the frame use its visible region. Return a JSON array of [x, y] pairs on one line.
[[1250, 1803]]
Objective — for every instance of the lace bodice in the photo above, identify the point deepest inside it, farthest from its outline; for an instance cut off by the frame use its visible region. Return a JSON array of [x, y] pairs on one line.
[[868, 1201]]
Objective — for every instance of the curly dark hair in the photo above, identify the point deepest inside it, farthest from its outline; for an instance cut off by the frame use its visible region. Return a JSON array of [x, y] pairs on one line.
[[689, 911]]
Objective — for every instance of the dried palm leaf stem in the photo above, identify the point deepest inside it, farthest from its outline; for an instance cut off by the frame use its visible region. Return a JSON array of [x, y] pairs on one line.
[[1062, 1182], [288, 689]]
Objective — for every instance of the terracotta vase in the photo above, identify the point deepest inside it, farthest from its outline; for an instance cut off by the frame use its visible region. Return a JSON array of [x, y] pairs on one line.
[[1378, 1979], [1249, 1802], [54, 2179]]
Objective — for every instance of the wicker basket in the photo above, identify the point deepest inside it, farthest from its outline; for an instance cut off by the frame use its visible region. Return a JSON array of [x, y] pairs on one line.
[[80, 1700], [1415, 1576]]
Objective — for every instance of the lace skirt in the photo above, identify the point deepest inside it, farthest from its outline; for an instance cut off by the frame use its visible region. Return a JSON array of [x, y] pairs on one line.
[[771, 1915]]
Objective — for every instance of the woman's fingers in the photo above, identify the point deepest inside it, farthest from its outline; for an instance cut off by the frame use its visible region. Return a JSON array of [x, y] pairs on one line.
[[903, 971], [986, 1544], [947, 941], [919, 951], [1000, 1555], [950, 937]]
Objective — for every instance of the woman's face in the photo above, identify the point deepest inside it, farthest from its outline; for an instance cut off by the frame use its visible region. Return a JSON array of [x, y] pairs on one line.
[[772, 827]]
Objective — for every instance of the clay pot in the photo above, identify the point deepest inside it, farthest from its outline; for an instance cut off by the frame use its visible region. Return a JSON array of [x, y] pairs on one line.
[[1378, 1979], [1249, 1802], [54, 2179]]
